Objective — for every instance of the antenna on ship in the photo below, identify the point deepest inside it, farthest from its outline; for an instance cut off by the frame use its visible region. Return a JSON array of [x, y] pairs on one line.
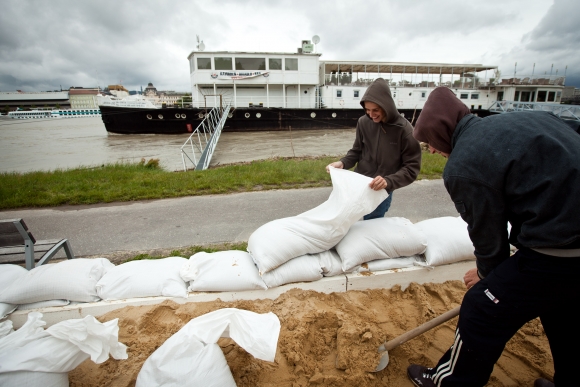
[[315, 40], [200, 45]]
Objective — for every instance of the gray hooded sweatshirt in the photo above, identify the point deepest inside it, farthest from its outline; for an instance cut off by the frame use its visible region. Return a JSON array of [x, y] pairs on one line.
[[386, 149]]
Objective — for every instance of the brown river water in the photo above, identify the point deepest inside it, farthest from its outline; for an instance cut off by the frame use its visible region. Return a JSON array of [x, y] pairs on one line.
[[61, 143]]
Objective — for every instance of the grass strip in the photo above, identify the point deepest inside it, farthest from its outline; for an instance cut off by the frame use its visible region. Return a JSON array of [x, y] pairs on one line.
[[146, 180]]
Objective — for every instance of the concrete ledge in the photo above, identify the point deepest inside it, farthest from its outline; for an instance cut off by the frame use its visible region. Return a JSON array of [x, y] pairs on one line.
[[341, 283], [403, 277]]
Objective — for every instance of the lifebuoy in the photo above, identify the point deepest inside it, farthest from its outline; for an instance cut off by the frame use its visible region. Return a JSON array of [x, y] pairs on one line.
[[400, 103]]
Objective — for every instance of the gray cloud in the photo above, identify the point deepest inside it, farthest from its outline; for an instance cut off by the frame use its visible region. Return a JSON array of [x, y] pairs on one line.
[[44, 45]]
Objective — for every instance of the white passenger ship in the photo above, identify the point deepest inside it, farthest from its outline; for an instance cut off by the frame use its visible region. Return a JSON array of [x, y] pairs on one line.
[[64, 113], [279, 91]]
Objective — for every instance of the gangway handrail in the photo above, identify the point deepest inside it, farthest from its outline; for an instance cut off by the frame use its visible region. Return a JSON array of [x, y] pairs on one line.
[[204, 138], [567, 112]]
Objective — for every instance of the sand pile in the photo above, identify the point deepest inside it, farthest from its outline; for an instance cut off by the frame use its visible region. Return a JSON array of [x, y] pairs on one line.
[[325, 339]]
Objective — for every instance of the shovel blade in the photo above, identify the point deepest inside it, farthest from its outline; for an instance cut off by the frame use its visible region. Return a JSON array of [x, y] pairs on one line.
[[383, 362]]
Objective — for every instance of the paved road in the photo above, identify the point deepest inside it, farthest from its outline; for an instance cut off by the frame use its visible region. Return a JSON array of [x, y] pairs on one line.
[[174, 223]]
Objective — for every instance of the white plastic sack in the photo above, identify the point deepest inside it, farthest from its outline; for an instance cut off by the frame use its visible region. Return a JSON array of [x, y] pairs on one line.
[[305, 268], [143, 278], [60, 348], [191, 357], [34, 379], [319, 229], [73, 279], [387, 264], [447, 240], [43, 304], [379, 239], [223, 271], [6, 328], [8, 275], [330, 263], [6, 309]]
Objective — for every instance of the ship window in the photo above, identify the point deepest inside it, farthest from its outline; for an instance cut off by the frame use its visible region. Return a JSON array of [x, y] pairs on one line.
[[517, 96], [551, 96], [204, 63], [474, 96], [275, 63], [356, 93], [250, 64], [223, 63], [291, 64], [423, 94], [338, 93], [542, 95], [464, 96], [525, 96]]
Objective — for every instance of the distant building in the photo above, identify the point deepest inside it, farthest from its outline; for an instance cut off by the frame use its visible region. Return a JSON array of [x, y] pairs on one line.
[[159, 98], [118, 91], [83, 98]]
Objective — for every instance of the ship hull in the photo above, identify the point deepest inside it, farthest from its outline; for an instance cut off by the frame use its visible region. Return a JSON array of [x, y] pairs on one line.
[[183, 120]]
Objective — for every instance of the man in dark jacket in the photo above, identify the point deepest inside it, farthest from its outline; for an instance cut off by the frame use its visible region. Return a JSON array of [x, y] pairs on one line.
[[384, 147], [522, 168]]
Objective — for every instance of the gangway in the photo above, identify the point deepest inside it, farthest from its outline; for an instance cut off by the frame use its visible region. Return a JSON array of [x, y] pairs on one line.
[[566, 112], [204, 139]]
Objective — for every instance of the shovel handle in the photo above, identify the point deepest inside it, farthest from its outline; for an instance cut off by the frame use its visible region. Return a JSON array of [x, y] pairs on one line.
[[388, 345]]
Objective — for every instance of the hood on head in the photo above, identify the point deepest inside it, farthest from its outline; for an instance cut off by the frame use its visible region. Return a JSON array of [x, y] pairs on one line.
[[380, 93], [438, 119]]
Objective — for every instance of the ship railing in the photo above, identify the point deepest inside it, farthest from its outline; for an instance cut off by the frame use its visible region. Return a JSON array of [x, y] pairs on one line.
[[199, 147], [567, 112]]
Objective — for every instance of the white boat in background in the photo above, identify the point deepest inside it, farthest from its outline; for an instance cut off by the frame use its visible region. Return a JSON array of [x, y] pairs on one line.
[[57, 113]]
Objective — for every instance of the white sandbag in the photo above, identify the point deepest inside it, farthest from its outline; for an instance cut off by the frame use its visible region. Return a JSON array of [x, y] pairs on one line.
[[318, 229], [34, 379], [6, 327], [8, 275], [305, 268], [191, 357], [387, 264], [60, 348], [43, 304], [330, 263], [143, 278], [6, 309], [73, 279], [379, 239], [223, 271], [447, 240]]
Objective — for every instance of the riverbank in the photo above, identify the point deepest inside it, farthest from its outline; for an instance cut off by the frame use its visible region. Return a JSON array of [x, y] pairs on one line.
[[145, 180]]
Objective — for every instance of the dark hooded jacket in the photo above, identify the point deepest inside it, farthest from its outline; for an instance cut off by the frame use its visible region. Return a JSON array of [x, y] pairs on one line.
[[521, 167], [385, 149]]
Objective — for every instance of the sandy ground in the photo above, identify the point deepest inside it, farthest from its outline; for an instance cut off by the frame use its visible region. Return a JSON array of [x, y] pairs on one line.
[[325, 339]]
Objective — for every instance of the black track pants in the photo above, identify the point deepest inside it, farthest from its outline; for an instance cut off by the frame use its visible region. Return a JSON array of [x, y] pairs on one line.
[[525, 286]]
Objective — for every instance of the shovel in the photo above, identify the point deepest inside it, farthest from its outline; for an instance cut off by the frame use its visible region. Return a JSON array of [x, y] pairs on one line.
[[388, 345]]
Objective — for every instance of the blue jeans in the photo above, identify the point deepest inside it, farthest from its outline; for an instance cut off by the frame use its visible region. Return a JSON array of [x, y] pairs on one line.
[[381, 210]]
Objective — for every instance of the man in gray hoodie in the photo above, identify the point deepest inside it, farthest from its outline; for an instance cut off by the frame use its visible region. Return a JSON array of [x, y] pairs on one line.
[[384, 147]]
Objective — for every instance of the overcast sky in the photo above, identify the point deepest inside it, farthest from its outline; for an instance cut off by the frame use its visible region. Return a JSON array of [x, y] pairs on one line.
[[46, 45]]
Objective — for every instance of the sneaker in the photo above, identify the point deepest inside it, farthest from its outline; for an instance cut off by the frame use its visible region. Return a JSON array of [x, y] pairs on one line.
[[543, 383], [419, 376]]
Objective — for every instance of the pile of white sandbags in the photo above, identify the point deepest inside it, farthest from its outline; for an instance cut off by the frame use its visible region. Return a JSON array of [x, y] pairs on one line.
[[88, 280], [331, 240], [319, 229]]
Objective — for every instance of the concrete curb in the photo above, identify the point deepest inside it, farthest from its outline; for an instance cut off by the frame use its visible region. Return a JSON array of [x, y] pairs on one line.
[[341, 283]]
